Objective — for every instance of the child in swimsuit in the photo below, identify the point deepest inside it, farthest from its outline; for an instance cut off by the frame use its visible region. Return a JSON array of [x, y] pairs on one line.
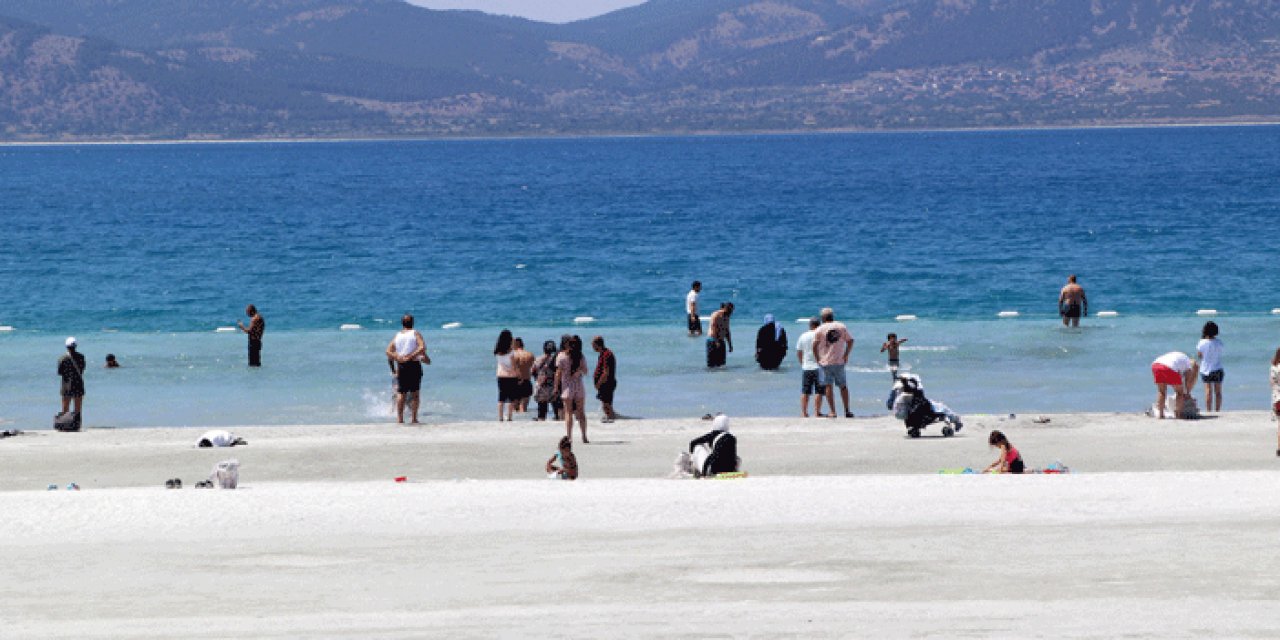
[[1275, 393], [1010, 461], [891, 345], [563, 465]]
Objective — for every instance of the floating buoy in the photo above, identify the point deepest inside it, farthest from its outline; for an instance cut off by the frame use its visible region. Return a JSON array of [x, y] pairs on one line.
[[906, 317], [1007, 314], [451, 325], [1107, 314], [1207, 312], [583, 320], [520, 266], [6, 328], [225, 330], [802, 320], [350, 327], [1274, 312]]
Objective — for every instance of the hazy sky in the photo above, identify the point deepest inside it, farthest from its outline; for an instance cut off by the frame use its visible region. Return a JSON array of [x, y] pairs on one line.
[[545, 10]]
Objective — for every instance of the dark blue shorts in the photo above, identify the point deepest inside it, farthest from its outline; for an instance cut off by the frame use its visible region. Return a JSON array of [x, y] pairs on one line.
[[1212, 378], [811, 383]]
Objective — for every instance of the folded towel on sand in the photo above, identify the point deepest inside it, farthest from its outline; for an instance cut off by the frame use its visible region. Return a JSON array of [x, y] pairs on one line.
[[219, 438]]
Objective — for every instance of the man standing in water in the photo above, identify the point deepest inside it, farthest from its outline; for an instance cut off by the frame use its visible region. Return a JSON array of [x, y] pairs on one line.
[[523, 362], [605, 378], [257, 327], [720, 336], [1072, 303], [409, 350], [691, 308]]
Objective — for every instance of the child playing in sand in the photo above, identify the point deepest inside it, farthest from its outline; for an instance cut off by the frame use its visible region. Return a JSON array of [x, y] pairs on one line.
[[891, 345], [563, 465], [1010, 461], [1275, 394]]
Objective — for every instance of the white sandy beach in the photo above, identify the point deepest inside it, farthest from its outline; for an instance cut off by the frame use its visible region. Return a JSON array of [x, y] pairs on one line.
[[844, 529]]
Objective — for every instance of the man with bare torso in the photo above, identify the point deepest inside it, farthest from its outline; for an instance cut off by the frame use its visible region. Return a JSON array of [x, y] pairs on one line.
[[719, 336], [1072, 303]]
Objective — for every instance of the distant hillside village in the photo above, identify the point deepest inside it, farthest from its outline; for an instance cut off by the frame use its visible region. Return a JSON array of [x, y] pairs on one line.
[[186, 69]]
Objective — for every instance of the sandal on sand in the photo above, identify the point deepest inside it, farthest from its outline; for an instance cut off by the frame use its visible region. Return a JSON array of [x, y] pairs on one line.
[[168, 484], [708, 416]]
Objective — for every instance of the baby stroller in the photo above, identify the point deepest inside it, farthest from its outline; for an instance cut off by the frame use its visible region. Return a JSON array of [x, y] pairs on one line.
[[909, 404]]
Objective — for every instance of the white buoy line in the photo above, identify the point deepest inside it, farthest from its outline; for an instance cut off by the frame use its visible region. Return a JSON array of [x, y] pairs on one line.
[[225, 330], [350, 327], [5, 329], [451, 325]]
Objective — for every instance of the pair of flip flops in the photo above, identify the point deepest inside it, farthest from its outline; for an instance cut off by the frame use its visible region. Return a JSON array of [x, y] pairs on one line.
[[204, 484], [173, 483]]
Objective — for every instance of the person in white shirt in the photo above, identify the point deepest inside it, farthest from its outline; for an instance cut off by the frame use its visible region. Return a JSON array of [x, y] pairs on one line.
[[409, 350], [1173, 369], [1209, 354], [810, 373], [691, 308]]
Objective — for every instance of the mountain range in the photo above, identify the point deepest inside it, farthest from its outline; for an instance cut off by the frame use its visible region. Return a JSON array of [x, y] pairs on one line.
[[197, 69]]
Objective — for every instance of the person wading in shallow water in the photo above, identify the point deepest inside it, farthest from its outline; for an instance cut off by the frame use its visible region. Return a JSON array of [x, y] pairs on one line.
[[257, 327], [605, 378], [1072, 303], [691, 308], [720, 336], [71, 367], [771, 344], [409, 350]]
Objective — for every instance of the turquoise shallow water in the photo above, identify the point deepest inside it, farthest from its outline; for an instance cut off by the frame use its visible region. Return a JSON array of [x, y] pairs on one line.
[[144, 250]]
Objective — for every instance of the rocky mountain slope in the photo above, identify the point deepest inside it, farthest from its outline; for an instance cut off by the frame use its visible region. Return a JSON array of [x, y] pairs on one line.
[[253, 68]]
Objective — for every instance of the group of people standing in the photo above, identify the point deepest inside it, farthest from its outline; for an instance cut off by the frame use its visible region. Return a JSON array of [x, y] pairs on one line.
[[554, 380]]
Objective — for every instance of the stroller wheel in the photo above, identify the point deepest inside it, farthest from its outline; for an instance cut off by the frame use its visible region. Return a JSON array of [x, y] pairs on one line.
[[914, 433], [947, 431]]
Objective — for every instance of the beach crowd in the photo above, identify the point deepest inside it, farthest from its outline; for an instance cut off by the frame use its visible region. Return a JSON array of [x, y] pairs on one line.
[[555, 380]]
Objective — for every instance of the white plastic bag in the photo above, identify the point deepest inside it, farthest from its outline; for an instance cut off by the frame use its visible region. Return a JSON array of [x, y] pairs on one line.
[[226, 474], [682, 467]]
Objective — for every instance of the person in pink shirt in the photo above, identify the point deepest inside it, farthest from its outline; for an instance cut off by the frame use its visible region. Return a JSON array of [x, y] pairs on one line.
[[1010, 461], [831, 346]]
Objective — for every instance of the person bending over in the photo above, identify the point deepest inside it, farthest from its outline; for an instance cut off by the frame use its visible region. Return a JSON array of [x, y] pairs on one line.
[[1173, 369], [1010, 461], [723, 445], [563, 465]]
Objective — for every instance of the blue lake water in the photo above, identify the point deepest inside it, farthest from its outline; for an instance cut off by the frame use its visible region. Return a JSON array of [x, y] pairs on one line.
[[144, 250]]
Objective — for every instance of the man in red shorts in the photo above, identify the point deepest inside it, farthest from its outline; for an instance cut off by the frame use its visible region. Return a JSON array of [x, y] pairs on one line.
[[1173, 369]]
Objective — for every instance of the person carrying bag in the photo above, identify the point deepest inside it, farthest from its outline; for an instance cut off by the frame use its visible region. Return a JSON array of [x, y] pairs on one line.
[[71, 368]]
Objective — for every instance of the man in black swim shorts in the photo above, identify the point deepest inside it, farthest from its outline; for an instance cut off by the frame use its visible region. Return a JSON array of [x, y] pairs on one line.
[[1072, 303]]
